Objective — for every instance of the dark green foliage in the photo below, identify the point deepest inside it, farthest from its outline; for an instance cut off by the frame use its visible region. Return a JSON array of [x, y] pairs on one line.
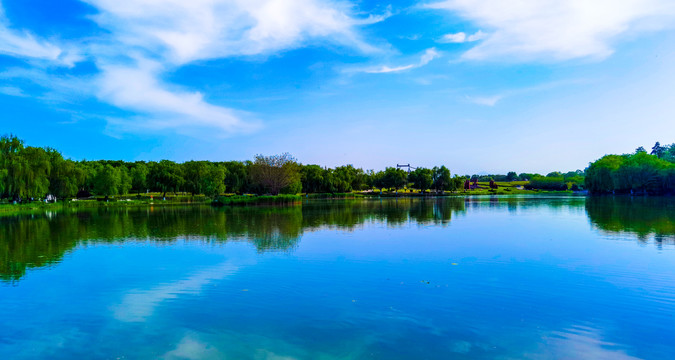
[[422, 178], [107, 181], [237, 179], [165, 176], [547, 183], [638, 173], [312, 178], [139, 176], [658, 150], [441, 179], [394, 178]]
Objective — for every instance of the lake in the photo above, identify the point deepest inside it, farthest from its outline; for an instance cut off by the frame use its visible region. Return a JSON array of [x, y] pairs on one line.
[[448, 278]]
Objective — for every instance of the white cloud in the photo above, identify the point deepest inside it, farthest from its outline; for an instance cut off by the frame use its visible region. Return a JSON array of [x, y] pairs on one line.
[[148, 38], [426, 58], [485, 100], [25, 45], [556, 29], [176, 32], [386, 69], [138, 89], [184, 31], [461, 37]]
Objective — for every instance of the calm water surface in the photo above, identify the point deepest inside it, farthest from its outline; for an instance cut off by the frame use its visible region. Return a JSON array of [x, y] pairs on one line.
[[507, 278]]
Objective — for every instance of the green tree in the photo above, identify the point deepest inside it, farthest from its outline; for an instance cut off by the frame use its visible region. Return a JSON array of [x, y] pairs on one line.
[[126, 182], [237, 179], [344, 176], [312, 179], [213, 182], [599, 174], [165, 176], [107, 181], [194, 173], [65, 176], [422, 178], [658, 150], [139, 176], [394, 178], [441, 179]]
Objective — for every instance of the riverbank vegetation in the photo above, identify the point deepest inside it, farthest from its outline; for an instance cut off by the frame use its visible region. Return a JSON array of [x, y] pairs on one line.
[[29, 174], [637, 173]]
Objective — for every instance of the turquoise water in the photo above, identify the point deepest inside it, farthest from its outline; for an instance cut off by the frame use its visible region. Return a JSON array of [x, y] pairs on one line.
[[481, 278]]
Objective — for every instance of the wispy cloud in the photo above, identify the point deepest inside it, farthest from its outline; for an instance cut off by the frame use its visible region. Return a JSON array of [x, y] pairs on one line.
[[494, 99], [148, 38], [12, 91], [425, 58], [485, 100], [462, 37], [184, 31], [138, 89], [23, 44], [556, 29]]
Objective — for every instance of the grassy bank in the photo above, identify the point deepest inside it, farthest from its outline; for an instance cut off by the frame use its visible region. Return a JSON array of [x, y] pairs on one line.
[[119, 201], [241, 200]]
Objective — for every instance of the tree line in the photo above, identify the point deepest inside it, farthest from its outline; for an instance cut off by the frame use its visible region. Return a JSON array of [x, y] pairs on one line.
[[28, 172], [641, 172]]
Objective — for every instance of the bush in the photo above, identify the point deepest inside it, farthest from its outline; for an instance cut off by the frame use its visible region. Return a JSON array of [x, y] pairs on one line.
[[547, 183]]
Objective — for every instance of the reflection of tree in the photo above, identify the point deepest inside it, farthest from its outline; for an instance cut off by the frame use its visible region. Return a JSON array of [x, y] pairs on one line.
[[39, 240], [438, 211], [268, 228], [642, 216]]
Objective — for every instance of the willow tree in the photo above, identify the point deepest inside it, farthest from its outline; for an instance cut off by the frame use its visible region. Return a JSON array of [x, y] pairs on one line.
[[274, 172]]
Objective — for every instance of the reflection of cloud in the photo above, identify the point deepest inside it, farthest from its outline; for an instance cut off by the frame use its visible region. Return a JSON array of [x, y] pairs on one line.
[[191, 348], [139, 305], [268, 355], [196, 345], [579, 342]]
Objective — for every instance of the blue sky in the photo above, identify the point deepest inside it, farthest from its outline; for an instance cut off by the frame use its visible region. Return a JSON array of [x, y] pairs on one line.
[[479, 86]]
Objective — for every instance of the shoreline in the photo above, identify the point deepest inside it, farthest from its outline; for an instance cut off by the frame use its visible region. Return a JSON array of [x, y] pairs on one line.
[[249, 200]]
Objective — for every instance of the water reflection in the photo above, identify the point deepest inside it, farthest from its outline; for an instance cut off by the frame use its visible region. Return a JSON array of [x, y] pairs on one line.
[[39, 240], [637, 217], [482, 277]]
